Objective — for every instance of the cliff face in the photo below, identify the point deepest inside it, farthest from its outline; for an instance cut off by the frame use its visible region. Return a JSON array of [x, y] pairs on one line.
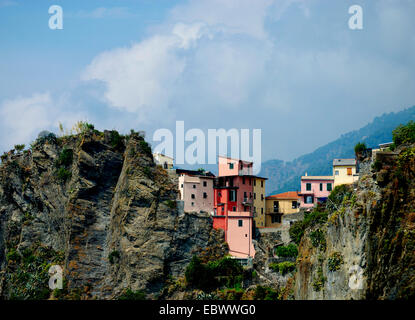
[[97, 205], [365, 250]]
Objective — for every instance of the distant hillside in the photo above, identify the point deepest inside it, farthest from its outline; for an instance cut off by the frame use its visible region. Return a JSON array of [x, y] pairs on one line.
[[285, 176]]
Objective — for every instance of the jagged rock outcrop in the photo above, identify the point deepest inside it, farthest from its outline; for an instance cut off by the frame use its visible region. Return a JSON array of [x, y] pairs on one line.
[[366, 248], [97, 205]]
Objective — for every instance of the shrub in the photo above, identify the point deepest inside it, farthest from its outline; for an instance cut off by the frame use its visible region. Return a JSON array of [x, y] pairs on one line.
[[287, 251], [13, 255], [265, 293], [283, 267], [337, 196], [19, 147], [359, 148], [377, 165], [404, 134], [116, 140], [63, 174], [65, 158], [318, 239], [113, 255], [334, 261], [171, 204], [319, 281], [145, 147], [198, 275], [132, 295], [310, 219], [208, 276]]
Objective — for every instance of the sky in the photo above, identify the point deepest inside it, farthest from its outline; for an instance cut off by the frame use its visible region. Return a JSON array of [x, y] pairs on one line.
[[292, 68]]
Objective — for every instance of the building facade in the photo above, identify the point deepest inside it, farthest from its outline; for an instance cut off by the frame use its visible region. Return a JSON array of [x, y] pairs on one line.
[[233, 205], [315, 189], [196, 190], [344, 171], [259, 201], [165, 161], [279, 205]]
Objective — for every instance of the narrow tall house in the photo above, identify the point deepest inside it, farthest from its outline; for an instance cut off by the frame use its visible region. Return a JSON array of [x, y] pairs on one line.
[[259, 201], [233, 205]]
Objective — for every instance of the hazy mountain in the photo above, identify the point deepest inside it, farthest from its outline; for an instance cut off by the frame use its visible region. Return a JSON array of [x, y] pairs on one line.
[[285, 176]]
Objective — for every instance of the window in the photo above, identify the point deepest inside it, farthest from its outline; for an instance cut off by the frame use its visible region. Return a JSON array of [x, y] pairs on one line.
[[336, 172], [204, 195], [321, 187], [254, 183], [219, 194], [294, 204], [262, 184], [308, 199], [240, 223], [193, 204], [276, 218], [204, 183], [232, 195], [262, 210], [254, 195], [262, 197], [329, 187], [193, 196], [233, 208], [276, 206], [223, 209], [231, 166], [194, 186], [243, 180], [181, 186], [349, 171], [308, 186]]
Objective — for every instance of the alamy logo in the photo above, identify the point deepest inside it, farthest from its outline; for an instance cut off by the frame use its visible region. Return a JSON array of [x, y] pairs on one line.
[[56, 20], [199, 148], [56, 279], [356, 20]]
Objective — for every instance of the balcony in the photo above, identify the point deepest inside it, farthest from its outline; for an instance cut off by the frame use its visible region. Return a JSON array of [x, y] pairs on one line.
[[245, 171], [274, 211], [247, 202]]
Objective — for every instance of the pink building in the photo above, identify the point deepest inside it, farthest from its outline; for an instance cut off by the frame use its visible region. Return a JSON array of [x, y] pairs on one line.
[[233, 199], [196, 190], [315, 189]]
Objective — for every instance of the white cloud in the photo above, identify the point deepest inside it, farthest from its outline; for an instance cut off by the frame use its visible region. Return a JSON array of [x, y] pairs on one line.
[[143, 77], [22, 118]]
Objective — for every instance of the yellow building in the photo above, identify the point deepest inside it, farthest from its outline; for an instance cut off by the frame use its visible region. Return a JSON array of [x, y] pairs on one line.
[[259, 201], [281, 204], [344, 171]]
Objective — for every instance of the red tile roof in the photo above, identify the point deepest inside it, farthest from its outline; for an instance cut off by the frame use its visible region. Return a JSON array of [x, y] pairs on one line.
[[284, 195]]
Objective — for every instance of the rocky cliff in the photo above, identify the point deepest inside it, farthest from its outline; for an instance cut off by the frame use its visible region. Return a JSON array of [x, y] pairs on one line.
[[362, 244], [97, 205]]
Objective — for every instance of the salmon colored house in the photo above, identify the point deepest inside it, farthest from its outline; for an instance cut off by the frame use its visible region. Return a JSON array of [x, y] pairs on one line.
[[233, 202]]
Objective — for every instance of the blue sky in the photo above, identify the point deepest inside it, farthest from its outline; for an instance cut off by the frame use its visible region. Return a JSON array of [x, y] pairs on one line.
[[292, 68]]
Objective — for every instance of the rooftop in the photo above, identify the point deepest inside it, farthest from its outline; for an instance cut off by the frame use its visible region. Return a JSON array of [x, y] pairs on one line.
[[344, 162], [207, 174], [317, 178], [291, 195]]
